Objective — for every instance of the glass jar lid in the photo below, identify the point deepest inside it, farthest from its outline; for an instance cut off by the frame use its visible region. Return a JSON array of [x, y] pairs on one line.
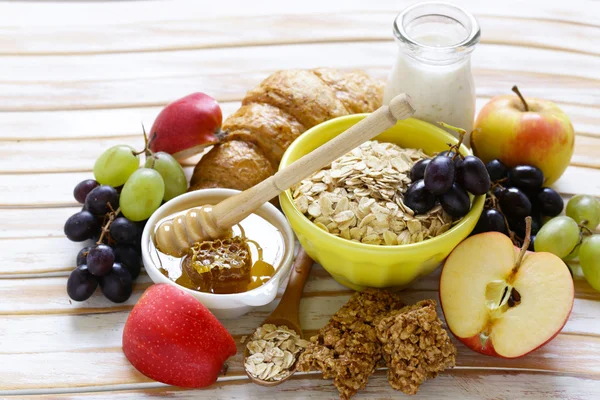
[[437, 32]]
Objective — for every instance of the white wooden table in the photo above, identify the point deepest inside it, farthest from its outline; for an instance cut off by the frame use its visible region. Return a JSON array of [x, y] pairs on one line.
[[76, 78]]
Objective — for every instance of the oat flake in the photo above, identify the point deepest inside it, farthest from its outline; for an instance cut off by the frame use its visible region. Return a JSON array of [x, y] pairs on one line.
[[359, 197]]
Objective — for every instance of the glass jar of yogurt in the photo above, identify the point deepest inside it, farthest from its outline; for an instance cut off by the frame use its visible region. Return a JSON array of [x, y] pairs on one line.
[[434, 63]]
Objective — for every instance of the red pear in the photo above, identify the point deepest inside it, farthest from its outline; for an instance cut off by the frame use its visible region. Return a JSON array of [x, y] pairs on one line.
[[186, 126], [172, 338]]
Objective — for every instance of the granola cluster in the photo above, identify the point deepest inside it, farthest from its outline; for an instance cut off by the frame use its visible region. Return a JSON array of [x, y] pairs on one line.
[[415, 346], [374, 327], [346, 349]]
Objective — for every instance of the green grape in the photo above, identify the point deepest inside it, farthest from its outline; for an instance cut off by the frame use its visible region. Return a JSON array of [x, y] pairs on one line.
[[589, 259], [573, 254], [584, 208], [170, 170], [558, 236], [142, 194], [116, 165]]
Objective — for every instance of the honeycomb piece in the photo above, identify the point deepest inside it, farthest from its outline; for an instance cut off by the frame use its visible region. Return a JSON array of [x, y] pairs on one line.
[[220, 266]]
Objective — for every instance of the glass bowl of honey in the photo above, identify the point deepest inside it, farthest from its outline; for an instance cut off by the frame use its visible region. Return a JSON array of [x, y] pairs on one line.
[[231, 275]]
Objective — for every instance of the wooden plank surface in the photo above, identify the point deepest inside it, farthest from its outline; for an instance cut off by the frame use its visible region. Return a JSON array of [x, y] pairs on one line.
[[456, 384], [77, 77]]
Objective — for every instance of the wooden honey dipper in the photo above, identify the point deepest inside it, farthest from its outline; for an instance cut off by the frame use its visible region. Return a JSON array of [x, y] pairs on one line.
[[174, 237]]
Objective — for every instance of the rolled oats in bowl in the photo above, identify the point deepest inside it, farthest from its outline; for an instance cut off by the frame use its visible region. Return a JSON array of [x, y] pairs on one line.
[[359, 197]]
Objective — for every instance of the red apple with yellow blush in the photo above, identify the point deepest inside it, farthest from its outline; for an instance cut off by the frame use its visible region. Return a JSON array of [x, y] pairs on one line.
[[503, 301], [524, 131]]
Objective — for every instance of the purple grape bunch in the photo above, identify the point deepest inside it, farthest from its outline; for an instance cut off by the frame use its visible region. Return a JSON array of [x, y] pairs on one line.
[[447, 179], [517, 193], [113, 258]]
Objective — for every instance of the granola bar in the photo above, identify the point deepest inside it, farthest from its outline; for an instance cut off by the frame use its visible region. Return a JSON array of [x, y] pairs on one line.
[[347, 349], [415, 346]]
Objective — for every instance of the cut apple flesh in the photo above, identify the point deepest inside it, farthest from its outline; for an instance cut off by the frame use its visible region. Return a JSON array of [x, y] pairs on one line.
[[475, 292], [546, 289], [465, 278]]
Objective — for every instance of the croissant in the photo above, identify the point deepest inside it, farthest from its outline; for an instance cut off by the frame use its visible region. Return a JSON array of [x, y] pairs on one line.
[[272, 115]]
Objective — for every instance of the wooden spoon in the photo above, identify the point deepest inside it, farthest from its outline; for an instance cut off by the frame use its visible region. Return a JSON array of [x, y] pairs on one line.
[[287, 312], [174, 237]]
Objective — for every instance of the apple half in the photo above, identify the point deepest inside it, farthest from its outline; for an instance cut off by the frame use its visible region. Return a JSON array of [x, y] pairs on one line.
[[502, 304]]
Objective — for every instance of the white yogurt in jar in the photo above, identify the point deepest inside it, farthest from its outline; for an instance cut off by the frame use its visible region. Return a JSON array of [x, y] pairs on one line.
[[433, 65]]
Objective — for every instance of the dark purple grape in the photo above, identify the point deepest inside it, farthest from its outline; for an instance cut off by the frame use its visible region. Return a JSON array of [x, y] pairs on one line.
[[99, 198], [418, 198], [532, 248], [491, 220], [456, 201], [526, 177], [518, 225], [550, 202], [123, 230], [83, 188], [418, 170], [515, 203], [100, 259], [138, 242], [472, 175], [81, 226], [496, 170], [140, 226], [439, 175], [117, 285], [450, 154], [532, 196], [130, 258], [81, 284], [82, 255], [498, 191]]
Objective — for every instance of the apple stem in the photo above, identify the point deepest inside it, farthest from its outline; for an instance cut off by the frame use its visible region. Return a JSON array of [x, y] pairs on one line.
[[518, 92], [111, 217], [525, 246]]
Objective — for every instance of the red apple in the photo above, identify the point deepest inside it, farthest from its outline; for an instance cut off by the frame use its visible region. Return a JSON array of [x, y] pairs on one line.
[[172, 338], [524, 131], [500, 303], [186, 126]]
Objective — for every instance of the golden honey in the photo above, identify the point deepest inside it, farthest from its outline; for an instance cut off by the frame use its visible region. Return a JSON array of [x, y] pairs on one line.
[[235, 264]]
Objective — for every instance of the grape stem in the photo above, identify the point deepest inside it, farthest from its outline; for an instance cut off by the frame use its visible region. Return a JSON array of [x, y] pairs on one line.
[[461, 137], [525, 246], [584, 229], [518, 92], [146, 151], [111, 217]]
